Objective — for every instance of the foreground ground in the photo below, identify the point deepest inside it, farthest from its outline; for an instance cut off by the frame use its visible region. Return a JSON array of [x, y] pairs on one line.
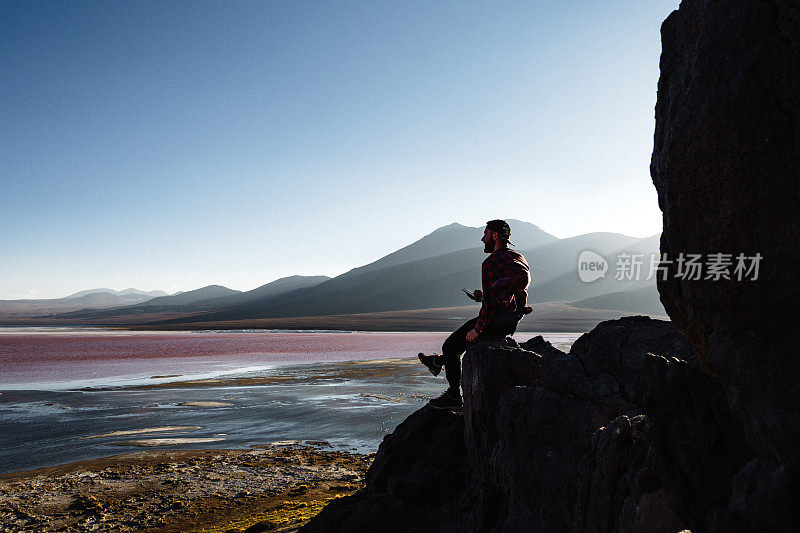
[[275, 487]]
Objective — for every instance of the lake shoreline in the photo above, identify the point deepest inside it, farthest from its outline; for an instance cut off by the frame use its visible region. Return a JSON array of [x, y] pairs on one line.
[[557, 317]]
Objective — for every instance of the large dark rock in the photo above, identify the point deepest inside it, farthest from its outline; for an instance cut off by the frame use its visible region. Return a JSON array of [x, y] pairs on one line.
[[764, 495], [694, 444], [545, 435], [413, 483], [628, 420], [627, 432], [726, 166], [620, 489], [490, 371]]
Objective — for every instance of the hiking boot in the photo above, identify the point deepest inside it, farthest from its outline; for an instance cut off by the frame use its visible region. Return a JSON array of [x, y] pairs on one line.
[[447, 400], [430, 362]]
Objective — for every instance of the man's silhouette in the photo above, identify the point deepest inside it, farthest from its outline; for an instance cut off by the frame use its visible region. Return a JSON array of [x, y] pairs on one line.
[[505, 277]]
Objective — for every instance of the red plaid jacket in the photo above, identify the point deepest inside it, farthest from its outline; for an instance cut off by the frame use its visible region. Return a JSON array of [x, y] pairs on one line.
[[505, 277]]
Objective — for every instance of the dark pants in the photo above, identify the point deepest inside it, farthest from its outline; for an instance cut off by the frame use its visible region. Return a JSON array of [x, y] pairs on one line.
[[456, 344]]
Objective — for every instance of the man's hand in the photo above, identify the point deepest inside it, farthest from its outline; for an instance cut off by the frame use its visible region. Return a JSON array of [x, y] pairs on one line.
[[472, 335], [478, 295]]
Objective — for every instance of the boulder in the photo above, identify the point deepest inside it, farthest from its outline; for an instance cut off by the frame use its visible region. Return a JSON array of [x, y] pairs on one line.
[[609, 437], [620, 489], [413, 483], [726, 166], [764, 496], [629, 405], [489, 371]]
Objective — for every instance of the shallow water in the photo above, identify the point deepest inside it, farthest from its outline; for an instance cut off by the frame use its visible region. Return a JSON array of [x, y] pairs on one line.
[[221, 389]]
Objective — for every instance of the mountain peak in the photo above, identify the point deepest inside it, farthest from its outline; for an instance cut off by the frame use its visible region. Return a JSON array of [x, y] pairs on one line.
[[124, 292], [454, 237], [447, 228]]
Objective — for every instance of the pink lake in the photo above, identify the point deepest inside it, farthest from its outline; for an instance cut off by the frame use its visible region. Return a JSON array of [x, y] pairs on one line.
[[90, 357], [77, 357]]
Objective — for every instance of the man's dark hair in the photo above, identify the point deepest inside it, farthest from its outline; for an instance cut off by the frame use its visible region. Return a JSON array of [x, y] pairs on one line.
[[501, 227]]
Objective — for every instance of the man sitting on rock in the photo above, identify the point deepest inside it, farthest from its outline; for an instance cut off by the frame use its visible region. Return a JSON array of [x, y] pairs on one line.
[[505, 277]]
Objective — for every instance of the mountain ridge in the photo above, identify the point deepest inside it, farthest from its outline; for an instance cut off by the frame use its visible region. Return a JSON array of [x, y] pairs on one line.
[[131, 290], [435, 282], [427, 273]]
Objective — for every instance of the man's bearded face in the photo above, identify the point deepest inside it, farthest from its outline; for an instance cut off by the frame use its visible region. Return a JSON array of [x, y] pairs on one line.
[[488, 241]]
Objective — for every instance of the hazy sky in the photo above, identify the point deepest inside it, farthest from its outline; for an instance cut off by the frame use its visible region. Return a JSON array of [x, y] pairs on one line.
[[171, 145]]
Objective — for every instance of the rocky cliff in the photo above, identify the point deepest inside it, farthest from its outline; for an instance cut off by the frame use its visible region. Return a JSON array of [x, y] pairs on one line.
[[627, 432], [726, 165], [638, 429]]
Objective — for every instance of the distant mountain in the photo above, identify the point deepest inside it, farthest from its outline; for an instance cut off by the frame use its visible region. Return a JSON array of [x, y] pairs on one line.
[[566, 286], [210, 298], [90, 299], [435, 281], [455, 237], [425, 274], [561, 257], [188, 297], [644, 300], [273, 289], [278, 287], [151, 294]]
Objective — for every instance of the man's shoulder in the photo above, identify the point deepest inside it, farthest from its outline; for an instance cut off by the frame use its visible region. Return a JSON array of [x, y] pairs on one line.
[[509, 254], [504, 255]]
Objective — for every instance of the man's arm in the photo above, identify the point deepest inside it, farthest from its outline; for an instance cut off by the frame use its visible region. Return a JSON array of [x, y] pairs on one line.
[[487, 310], [488, 273]]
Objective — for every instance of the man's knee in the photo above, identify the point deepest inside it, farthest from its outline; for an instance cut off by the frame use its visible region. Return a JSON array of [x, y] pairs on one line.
[[455, 343], [450, 347]]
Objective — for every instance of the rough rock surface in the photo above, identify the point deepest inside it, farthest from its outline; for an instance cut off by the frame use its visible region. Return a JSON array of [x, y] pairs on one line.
[[726, 166], [490, 371], [627, 432], [413, 482]]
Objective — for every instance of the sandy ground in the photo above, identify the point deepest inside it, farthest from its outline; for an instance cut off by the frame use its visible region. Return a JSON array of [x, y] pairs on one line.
[[274, 487]]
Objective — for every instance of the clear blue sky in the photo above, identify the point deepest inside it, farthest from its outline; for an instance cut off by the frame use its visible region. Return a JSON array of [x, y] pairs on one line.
[[171, 145]]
